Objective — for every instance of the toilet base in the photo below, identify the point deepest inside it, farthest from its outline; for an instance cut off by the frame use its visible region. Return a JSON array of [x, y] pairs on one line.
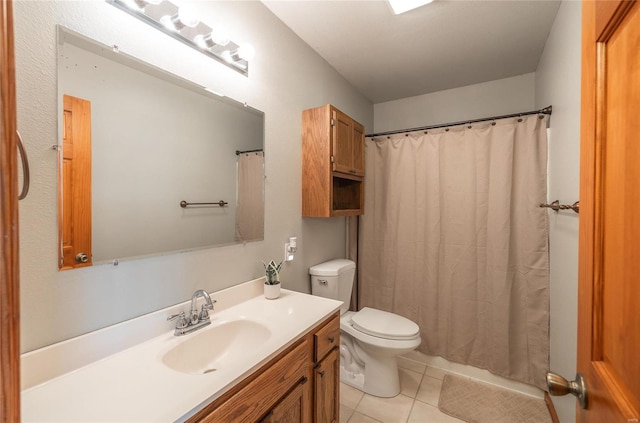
[[351, 378], [380, 379]]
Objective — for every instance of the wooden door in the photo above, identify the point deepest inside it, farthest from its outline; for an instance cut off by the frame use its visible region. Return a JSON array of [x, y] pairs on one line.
[[609, 259], [327, 389], [74, 187], [292, 407], [9, 264], [347, 144]]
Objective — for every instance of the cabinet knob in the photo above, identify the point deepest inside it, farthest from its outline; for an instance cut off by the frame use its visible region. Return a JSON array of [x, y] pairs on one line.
[[331, 339], [321, 373]]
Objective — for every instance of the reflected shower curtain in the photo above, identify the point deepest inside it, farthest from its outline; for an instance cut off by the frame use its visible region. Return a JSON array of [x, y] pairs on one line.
[[454, 240], [250, 207]]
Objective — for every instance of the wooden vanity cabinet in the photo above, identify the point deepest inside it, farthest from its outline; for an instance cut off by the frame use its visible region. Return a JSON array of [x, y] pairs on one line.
[[327, 372], [300, 385], [333, 163]]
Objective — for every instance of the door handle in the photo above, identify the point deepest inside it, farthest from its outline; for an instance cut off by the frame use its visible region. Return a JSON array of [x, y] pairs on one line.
[[559, 386], [82, 257], [25, 169]]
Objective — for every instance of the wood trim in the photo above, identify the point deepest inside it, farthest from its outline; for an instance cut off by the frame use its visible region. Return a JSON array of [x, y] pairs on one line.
[[9, 260], [551, 408]]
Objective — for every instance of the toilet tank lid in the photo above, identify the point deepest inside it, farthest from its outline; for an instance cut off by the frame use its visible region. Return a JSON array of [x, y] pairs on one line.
[[332, 267]]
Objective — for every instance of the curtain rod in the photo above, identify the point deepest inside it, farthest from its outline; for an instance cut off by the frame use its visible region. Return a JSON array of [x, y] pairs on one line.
[[545, 111]]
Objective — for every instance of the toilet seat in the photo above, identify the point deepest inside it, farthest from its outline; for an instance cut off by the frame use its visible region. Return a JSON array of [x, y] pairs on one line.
[[384, 324], [398, 340]]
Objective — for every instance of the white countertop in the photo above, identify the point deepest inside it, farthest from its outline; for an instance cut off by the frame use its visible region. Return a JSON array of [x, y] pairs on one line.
[[135, 386]]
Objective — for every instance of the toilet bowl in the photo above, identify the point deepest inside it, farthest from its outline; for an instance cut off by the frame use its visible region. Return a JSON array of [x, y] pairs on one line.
[[371, 340]]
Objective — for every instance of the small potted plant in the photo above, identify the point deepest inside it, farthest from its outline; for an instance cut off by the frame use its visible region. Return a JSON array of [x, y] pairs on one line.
[[272, 284]]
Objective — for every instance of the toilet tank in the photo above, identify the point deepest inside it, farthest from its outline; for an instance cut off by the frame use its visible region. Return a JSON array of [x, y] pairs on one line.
[[334, 279]]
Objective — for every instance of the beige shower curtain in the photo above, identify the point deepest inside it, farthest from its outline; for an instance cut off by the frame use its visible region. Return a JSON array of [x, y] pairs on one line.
[[250, 207], [453, 239]]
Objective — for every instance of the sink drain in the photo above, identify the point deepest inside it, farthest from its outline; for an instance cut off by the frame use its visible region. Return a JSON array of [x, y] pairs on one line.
[[208, 371]]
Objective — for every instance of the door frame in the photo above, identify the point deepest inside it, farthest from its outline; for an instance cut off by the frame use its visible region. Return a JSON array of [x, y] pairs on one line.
[[9, 263]]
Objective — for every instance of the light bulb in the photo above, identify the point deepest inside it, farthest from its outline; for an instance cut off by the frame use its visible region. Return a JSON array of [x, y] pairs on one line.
[[220, 36], [226, 55], [167, 22], [207, 41], [204, 41], [188, 17]]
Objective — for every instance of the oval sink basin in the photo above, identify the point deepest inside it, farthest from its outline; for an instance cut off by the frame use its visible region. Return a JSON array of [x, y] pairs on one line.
[[213, 347]]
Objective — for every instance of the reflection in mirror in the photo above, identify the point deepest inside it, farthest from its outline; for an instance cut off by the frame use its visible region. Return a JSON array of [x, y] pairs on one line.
[[137, 141]]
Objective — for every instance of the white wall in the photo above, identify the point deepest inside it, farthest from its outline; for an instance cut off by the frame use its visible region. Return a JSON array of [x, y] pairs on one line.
[[558, 83], [493, 98], [285, 77]]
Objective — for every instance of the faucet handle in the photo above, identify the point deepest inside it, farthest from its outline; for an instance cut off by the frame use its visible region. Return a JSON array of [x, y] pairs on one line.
[[182, 320], [204, 311]]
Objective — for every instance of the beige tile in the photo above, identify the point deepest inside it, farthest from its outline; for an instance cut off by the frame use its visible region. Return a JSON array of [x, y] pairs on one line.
[[422, 413], [386, 410], [409, 382], [417, 356], [350, 396], [345, 413], [407, 363], [435, 372], [361, 418], [429, 390]]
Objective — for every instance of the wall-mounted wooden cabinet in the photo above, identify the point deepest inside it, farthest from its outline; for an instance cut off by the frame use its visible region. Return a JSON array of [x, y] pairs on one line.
[[332, 163]]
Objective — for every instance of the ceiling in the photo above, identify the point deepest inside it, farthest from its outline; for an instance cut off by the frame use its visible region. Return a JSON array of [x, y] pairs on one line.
[[443, 45]]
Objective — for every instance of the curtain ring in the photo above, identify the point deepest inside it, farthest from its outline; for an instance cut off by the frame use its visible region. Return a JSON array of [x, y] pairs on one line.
[[25, 169]]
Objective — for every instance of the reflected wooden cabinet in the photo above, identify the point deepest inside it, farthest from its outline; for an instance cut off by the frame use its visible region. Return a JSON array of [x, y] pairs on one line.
[[333, 163], [300, 385]]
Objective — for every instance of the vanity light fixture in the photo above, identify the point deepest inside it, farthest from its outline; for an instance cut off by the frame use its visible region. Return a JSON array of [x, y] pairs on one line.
[[183, 25]]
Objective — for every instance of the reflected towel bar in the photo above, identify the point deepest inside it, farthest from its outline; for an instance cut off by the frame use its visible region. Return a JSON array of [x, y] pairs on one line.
[[220, 203], [556, 206]]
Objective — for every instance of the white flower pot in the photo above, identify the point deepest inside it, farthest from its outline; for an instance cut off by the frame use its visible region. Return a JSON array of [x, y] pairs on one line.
[[271, 292]]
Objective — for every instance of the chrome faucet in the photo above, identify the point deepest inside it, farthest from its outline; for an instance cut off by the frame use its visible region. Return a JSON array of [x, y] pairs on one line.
[[196, 320]]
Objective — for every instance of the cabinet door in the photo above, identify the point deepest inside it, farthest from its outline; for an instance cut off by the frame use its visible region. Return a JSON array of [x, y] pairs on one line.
[[292, 407], [327, 389], [347, 144]]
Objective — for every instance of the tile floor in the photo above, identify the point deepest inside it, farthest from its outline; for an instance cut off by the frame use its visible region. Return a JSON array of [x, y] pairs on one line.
[[417, 403]]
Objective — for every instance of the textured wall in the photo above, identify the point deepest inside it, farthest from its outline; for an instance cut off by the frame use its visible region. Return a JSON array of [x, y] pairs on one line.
[[285, 77]]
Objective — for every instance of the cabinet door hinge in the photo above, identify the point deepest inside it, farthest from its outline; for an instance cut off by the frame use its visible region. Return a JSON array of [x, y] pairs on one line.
[[332, 159], [333, 122]]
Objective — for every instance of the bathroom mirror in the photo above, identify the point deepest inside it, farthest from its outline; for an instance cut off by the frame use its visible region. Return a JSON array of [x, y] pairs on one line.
[[140, 150]]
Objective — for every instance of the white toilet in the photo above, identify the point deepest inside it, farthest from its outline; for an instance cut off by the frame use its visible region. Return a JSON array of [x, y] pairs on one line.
[[370, 339]]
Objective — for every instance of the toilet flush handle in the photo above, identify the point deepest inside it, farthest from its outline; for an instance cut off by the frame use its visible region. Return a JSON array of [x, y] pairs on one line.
[[322, 281]]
